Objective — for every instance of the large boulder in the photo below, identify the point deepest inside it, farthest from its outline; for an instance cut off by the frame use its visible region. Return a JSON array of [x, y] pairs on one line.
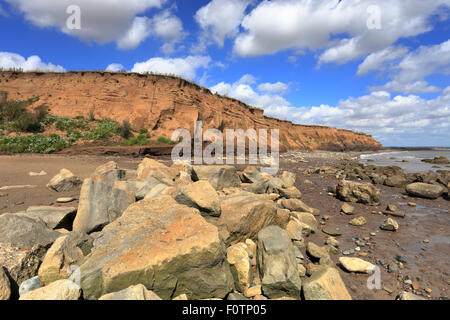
[[100, 203], [365, 193], [137, 292], [5, 285], [277, 264], [58, 290], [325, 284], [251, 175], [167, 247], [397, 181], [20, 264], [53, 217], [139, 188], [219, 176], [425, 190], [108, 173], [245, 215], [65, 181], [25, 232], [202, 196], [148, 163], [66, 252]]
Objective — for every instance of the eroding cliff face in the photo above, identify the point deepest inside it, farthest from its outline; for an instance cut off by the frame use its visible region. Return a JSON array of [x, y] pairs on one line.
[[163, 104]]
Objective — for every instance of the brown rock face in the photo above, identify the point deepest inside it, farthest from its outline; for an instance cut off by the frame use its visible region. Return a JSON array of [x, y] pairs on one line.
[[163, 104], [167, 247]]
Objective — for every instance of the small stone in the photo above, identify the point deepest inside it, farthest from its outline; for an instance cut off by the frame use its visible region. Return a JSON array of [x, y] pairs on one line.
[[358, 221], [392, 267], [415, 286], [373, 234], [253, 291], [426, 241], [388, 290], [30, 285], [36, 174], [428, 290], [391, 207], [412, 204], [301, 270], [65, 200], [389, 225], [331, 231], [408, 282], [402, 259], [347, 209]]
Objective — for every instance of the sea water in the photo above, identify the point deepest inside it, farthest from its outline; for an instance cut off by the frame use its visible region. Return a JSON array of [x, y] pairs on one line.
[[413, 159]]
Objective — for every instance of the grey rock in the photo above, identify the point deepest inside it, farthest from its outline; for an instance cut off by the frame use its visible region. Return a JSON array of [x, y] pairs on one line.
[[425, 190], [25, 232], [219, 176], [277, 264], [5, 285], [30, 285]]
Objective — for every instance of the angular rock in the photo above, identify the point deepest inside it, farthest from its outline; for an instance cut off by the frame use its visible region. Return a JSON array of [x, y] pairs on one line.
[[139, 188], [424, 190], [251, 175], [409, 296], [136, 292], [30, 285], [297, 230], [389, 225], [241, 267], [347, 209], [66, 252], [219, 176], [108, 173], [167, 247], [25, 232], [317, 252], [245, 215], [21, 264], [358, 221], [5, 285], [277, 264], [356, 265], [306, 218], [148, 163], [100, 204], [202, 196], [365, 193], [288, 179], [397, 181], [236, 296], [290, 193], [65, 181], [296, 205], [53, 217], [58, 290], [325, 284]]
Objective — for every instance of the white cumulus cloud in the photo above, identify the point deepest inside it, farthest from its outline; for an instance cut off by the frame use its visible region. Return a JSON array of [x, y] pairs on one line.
[[183, 67], [9, 60], [114, 67], [102, 21], [338, 27], [219, 20]]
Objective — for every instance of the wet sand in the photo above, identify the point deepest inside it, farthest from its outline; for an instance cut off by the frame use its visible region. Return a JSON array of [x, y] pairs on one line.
[[428, 263]]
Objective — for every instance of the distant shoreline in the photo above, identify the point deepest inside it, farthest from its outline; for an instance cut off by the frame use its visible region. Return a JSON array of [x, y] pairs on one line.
[[417, 148]]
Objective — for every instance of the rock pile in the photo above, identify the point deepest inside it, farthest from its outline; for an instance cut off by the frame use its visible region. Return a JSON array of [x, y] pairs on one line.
[[178, 232]]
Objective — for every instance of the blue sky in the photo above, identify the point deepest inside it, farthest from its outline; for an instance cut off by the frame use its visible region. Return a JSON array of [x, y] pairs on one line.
[[381, 67]]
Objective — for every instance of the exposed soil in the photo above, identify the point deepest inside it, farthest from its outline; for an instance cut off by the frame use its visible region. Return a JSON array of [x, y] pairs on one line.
[[163, 104], [427, 263]]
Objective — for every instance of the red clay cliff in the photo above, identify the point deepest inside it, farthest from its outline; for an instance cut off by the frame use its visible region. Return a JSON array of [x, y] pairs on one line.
[[163, 104]]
